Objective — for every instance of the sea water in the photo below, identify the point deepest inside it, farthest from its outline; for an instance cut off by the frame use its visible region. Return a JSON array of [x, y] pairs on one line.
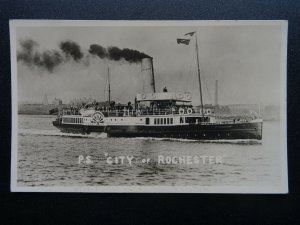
[[48, 157]]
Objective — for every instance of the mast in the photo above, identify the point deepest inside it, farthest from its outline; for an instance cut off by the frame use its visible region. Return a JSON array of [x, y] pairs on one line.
[[199, 77], [152, 73], [216, 93], [108, 79]]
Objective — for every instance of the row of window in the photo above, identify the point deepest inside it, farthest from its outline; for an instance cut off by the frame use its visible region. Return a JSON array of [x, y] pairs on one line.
[[73, 120], [163, 120]]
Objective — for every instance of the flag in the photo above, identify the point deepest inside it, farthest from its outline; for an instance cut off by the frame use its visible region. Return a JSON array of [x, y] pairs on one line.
[[191, 33], [183, 41]]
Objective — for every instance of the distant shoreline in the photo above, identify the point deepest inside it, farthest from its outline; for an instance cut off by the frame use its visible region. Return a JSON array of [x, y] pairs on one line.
[[35, 109], [35, 114]]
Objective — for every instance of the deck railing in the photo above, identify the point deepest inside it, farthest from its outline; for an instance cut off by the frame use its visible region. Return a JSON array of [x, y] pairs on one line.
[[158, 112], [139, 112]]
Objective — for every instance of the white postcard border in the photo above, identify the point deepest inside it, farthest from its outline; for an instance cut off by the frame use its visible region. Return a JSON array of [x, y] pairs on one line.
[[283, 188]]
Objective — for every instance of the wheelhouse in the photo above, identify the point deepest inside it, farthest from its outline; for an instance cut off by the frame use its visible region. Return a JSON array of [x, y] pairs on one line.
[[163, 103]]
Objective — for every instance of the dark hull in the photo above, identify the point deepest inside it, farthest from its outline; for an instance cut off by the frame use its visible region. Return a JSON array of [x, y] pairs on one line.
[[192, 131], [78, 128]]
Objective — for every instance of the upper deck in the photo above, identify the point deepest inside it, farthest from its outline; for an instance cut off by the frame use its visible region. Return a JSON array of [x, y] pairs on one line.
[[165, 96], [148, 104]]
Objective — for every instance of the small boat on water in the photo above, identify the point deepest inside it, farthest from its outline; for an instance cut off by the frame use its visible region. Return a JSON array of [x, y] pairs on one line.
[[160, 114]]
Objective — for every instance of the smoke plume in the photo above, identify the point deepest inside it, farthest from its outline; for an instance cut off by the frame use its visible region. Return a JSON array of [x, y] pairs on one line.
[[48, 60], [27, 49], [117, 54], [71, 49], [31, 56], [98, 50]]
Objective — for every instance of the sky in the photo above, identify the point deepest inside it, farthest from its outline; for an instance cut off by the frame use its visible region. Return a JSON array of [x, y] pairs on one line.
[[245, 59]]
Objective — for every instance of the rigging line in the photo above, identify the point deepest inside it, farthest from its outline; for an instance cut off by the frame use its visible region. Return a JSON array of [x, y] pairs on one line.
[[209, 96], [190, 70], [205, 84], [105, 90]]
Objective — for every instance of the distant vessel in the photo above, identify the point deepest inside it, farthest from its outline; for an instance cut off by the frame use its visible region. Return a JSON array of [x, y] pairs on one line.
[[160, 114]]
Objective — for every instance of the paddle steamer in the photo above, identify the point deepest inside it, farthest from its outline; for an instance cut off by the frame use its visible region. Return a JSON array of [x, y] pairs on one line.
[[160, 114]]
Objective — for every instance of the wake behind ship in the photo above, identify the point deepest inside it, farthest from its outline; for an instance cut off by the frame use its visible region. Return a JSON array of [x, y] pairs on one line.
[[159, 114]]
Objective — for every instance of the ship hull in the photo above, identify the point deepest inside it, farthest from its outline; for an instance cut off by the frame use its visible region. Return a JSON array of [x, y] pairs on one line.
[[78, 128], [191, 131], [228, 131]]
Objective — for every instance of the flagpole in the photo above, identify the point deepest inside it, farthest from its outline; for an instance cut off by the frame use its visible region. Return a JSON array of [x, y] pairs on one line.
[[199, 77]]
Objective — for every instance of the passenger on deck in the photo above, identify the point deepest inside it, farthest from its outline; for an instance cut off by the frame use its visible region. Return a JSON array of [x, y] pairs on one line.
[[165, 89], [129, 106]]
